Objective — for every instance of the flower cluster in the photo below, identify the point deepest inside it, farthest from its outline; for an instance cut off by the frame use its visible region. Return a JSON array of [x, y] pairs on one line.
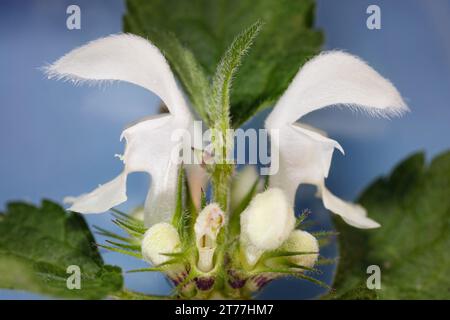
[[247, 233]]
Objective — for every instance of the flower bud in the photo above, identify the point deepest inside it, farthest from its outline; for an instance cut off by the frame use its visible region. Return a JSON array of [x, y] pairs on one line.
[[266, 223], [207, 226], [302, 241], [159, 239], [163, 238]]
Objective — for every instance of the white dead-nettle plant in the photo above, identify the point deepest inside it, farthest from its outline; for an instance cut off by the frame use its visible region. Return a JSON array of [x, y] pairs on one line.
[[222, 248]]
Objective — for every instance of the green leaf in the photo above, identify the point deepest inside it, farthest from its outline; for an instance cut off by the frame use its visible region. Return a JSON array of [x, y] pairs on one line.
[[37, 244], [127, 218], [109, 234], [299, 220], [204, 29], [412, 246], [203, 200], [132, 247], [284, 253], [131, 229], [181, 219], [177, 219], [127, 252], [227, 69]]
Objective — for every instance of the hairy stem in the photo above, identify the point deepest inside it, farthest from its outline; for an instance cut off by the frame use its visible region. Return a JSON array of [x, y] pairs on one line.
[[223, 167]]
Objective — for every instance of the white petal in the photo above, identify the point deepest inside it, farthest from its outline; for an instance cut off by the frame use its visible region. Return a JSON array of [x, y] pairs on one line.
[[305, 154], [150, 147], [336, 78], [304, 157], [123, 57], [101, 199], [207, 227], [354, 214], [208, 224]]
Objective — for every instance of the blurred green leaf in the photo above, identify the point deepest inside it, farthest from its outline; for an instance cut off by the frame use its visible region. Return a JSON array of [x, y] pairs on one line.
[[38, 244], [412, 245], [195, 34]]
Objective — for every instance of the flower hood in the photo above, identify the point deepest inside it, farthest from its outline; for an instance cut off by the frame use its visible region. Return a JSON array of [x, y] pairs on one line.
[[150, 142], [305, 153]]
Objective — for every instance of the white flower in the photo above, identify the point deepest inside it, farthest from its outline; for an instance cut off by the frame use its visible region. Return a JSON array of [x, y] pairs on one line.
[[304, 154], [207, 226], [149, 143], [266, 223], [302, 241], [160, 239]]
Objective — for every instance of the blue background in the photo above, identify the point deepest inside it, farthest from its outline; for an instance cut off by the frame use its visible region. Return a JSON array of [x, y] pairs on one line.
[[58, 140]]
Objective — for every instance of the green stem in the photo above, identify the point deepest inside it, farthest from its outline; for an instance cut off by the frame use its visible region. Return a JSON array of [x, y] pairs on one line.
[[223, 169], [221, 184]]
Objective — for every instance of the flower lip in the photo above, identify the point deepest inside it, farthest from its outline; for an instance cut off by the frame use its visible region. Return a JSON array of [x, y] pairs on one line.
[[149, 143], [207, 227], [331, 78], [208, 224]]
